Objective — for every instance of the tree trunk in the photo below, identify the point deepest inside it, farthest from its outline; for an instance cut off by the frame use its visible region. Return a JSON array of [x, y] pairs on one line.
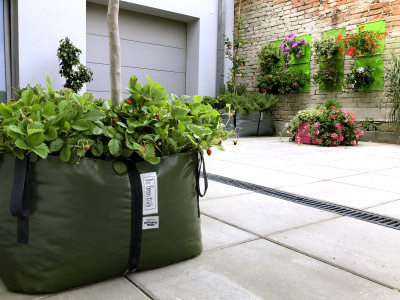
[[115, 51]]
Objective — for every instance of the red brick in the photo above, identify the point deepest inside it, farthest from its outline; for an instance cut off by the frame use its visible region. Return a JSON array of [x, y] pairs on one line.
[[341, 2], [396, 24], [351, 1], [379, 5], [353, 17], [374, 12], [392, 18], [395, 12], [376, 17], [395, 2], [304, 7], [358, 11]]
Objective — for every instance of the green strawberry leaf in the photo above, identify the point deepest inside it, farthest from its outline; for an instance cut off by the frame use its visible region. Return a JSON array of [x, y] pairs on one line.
[[56, 145], [120, 167], [41, 150]]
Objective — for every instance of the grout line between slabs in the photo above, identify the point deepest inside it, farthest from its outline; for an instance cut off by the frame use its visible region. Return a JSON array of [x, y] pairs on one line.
[[307, 254], [141, 288]]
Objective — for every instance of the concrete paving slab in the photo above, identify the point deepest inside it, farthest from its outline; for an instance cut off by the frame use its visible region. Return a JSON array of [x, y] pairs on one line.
[[374, 181], [115, 289], [343, 194], [321, 172], [7, 295], [262, 214], [356, 165], [363, 247], [219, 190], [257, 270], [393, 172], [264, 162], [216, 234], [391, 209], [257, 175]]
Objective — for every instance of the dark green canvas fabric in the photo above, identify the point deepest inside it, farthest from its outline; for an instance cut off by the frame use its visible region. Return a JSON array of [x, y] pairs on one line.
[[80, 223]]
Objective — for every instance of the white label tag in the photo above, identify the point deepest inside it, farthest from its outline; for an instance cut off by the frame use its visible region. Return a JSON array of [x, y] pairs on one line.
[[262, 115], [151, 222], [150, 193]]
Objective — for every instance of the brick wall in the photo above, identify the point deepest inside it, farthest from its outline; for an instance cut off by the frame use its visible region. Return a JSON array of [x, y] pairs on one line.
[[268, 20]]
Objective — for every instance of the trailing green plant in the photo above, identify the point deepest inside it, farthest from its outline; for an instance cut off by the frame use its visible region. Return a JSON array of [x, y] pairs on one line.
[[359, 78], [392, 88], [146, 126], [325, 48], [267, 56], [241, 89], [217, 102], [282, 81], [327, 76], [368, 124], [71, 69], [232, 52]]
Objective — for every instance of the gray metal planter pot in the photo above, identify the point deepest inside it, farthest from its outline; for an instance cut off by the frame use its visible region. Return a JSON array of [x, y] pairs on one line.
[[266, 125], [255, 124]]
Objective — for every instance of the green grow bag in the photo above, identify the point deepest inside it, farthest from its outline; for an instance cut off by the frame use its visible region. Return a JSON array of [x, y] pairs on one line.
[[81, 218]]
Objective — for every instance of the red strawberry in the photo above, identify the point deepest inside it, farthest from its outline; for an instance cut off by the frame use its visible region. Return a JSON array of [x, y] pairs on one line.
[[255, 90], [157, 115], [115, 121], [143, 113], [87, 147], [220, 142], [143, 148], [235, 143], [209, 152], [241, 64], [278, 79], [128, 101], [229, 47], [145, 100], [252, 77]]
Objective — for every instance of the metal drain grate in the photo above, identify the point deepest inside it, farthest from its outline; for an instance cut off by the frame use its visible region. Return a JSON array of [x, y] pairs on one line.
[[330, 207]]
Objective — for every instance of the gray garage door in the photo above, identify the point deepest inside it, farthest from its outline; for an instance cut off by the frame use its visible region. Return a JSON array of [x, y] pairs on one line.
[[150, 46]]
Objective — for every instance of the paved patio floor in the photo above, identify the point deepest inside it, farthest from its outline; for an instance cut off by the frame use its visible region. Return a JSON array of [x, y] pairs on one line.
[[261, 247]]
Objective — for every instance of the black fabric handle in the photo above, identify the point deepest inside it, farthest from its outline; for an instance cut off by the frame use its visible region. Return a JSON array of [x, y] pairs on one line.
[[199, 194], [136, 217], [20, 204]]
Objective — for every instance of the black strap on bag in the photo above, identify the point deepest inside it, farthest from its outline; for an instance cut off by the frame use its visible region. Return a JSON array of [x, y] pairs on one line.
[[136, 217], [20, 204], [199, 194]]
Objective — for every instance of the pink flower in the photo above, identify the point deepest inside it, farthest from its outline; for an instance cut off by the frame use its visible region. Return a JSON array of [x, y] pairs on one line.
[[333, 108], [329, 77], [331, 116], [362, 133], [341, 138], [327, 135], [355, 131], [317, 124], [357, 136], [334, 143], [331, 69], [324, 108], [323, 70], [341, 109], [353, 143], [338, 125], [334, 135], [319, 141]]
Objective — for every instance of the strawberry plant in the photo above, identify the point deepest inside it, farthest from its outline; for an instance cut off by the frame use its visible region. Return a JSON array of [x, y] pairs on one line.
[[147, 126]]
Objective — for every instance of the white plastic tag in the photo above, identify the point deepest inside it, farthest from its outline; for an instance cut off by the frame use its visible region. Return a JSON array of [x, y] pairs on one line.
[[262, 115], [151, 222], [150, 193]]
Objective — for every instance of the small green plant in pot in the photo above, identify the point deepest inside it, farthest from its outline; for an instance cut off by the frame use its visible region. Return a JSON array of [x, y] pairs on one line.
[[281, 81], [267, 56], [327, 76]]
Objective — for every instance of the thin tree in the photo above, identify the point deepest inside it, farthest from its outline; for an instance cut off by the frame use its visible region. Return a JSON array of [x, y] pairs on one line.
[[115, 51]]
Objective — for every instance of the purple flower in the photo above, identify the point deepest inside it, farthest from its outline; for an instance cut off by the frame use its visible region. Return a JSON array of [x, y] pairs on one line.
[[307, 44], [329, 77], [291, 40], [281, 69], [287, 69], [303, 40], [299, 47], [323, 70], [290, 35], [331, 69], [297, 56], [278, 57], [300, 51], [288, 55], [284, 52], [287, 48], [281, 46]]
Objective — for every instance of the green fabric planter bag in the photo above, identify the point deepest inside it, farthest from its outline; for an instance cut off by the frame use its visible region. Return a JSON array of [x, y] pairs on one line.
[[83, 224]]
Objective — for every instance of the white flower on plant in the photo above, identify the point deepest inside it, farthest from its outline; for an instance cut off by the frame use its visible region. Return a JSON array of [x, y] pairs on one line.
[[352, 86], [360, 70]]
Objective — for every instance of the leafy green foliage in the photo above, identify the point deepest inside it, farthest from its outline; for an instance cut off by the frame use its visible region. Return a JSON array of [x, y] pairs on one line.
[[232, 53], [325, 48], [327, 76], [251, 102], [281, 81], [146, 126], [359, 78], [68, 56], [392, 88], [267, 57]]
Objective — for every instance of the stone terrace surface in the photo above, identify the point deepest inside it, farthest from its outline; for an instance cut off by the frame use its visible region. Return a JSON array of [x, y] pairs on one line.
[[260, 247]]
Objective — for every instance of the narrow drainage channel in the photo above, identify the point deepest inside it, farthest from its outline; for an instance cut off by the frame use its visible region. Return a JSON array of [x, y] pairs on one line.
[[326, 206]]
